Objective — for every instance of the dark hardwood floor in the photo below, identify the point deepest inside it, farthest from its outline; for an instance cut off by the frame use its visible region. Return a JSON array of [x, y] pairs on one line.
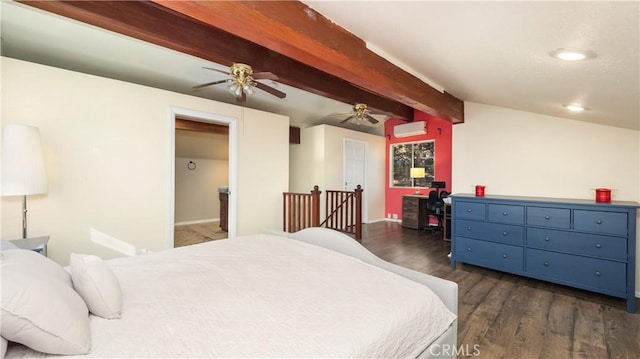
[[509, 316]]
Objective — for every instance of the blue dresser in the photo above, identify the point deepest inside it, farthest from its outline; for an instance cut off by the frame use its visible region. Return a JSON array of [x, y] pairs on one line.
[[579, 243]]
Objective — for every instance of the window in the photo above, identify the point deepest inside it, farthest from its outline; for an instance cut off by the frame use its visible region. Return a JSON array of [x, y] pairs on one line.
[[414, 154]]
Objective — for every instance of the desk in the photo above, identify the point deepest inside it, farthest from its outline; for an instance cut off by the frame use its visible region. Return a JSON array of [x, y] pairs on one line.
[[414, 211]]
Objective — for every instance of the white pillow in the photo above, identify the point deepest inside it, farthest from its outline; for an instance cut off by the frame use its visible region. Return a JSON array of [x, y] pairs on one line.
[[97, 285], [40, 309], [6, 245], [3, 347]]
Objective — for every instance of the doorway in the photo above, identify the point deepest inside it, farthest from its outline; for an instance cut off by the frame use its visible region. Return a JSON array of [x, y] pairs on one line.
[[204, 162], [355, 162]]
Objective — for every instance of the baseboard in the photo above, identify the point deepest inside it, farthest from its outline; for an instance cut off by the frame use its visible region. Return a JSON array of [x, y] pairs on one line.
[[197, 222], [393, 220], [376, 220]]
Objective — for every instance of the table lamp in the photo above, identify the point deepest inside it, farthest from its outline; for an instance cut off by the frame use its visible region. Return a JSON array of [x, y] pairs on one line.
[[416, 172], [23, 170]]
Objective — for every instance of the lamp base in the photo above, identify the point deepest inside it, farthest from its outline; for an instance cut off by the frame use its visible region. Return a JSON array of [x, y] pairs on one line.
[[24, 216]]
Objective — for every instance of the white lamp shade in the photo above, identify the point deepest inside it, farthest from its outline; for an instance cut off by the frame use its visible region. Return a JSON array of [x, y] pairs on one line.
[[417, 172], [23, 170]]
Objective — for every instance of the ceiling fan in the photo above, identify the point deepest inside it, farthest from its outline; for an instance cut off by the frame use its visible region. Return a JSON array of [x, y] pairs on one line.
[[360, 115], [242, 81]]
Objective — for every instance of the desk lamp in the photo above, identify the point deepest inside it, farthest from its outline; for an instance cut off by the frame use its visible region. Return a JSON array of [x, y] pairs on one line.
[[416, 172]]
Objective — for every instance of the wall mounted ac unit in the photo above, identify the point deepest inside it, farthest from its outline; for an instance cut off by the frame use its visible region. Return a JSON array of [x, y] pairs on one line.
[[410, 129]]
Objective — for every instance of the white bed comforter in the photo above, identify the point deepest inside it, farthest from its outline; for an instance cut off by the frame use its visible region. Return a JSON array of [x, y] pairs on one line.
[[263, 296]]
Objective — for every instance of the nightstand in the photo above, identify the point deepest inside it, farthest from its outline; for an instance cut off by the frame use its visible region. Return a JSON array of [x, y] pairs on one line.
[[37, 244]]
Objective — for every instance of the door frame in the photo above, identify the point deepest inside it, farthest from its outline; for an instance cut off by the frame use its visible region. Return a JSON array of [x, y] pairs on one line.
[[365, 208], [232, 122]]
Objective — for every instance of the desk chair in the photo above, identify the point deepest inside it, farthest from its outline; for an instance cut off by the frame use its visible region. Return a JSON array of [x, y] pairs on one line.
[[438, 185], [435, 209]]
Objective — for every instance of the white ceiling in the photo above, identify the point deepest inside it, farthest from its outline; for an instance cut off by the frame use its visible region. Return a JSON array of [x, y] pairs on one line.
[[488, 52], [498, 52]]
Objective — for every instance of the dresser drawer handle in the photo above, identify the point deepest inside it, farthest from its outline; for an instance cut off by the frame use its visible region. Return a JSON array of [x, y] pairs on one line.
[[546, 264], [469, 210], [598, 273], [505, 213], [469, 228], [468, 249], [547, 239], [599, 221], [598, 245], [504, 256], [504, 233], [547, 217]]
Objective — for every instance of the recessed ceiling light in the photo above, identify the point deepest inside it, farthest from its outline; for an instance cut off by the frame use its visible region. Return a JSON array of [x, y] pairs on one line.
[[575, 108], [572, 55]]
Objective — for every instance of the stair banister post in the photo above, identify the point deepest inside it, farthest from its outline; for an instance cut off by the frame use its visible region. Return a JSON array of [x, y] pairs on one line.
[[358, 194], [315, 205]]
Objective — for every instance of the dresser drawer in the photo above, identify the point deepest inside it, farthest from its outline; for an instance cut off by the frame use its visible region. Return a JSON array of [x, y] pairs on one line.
[[488, 254], [578, 243], [470, 210], [588, 273], [410, 204], [506, 213], [549, 217], [495, 232], [409, 215], [600, 222]]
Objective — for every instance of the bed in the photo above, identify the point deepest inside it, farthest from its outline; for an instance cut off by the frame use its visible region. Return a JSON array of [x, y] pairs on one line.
[[316, 293]]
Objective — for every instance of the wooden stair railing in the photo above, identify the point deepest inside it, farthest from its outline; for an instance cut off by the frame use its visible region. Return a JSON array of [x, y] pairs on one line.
[[343, 211], [301, 210]]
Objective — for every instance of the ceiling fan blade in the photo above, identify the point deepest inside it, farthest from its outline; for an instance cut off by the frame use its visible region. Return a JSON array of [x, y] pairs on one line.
[[211, 68], [347, 119], [209, 84], [340, 115], [264, 76], [371, 119], [271, 90]]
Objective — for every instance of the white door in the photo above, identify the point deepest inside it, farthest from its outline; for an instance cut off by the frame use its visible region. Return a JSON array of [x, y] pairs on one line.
[[355, 153], [354, 162]]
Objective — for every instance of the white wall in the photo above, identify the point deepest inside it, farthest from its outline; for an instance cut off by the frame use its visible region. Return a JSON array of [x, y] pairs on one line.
[[263, 172], [307, 161], [108, 155], [527, 154], [318, 160], [516, 152], [197, 198]]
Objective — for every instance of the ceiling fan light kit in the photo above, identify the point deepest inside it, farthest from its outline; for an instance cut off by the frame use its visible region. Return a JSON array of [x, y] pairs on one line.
[[361, 115], [243, 81]]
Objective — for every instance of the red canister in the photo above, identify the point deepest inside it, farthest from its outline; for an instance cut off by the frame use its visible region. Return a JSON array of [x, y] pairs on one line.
[[603, 195], [479, 191]]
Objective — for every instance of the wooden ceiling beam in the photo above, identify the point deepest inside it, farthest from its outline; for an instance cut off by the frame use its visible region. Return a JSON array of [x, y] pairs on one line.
[[294, 30], [159, 25]]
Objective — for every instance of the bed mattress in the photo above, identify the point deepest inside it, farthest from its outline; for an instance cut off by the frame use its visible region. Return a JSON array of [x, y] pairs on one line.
[[263, 296]]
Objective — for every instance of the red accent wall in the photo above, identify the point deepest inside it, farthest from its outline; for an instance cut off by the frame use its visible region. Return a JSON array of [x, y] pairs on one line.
[[437, 129]]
